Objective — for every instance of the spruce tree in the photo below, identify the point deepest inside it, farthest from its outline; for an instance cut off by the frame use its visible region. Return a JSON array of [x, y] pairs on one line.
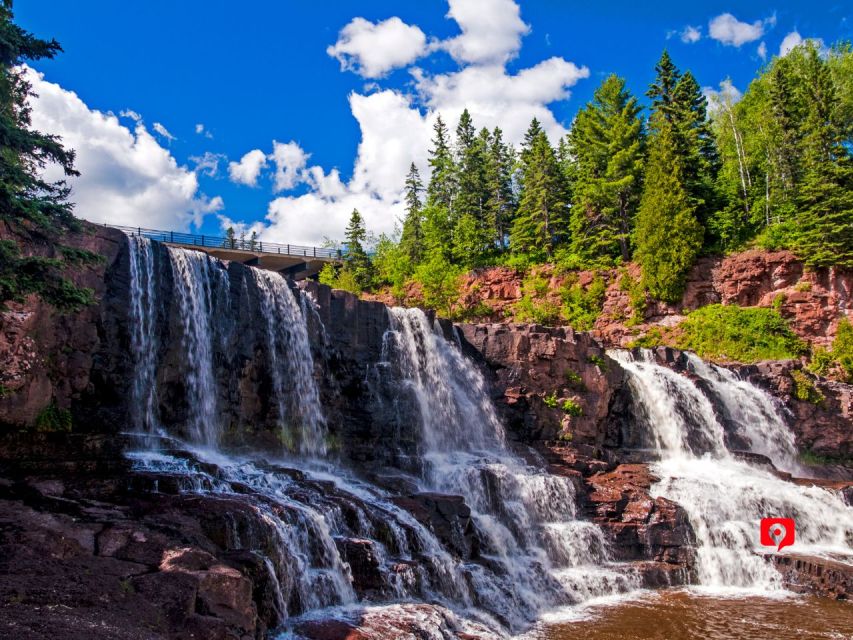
[[606, 150], [356, 260], [442, 183], [541, 222], [412, 240], [501, 201], [472, 232], [825, 195], [24, 194], [668, 236]]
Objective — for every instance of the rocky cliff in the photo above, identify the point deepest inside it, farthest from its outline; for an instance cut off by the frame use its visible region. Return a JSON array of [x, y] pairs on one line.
[[811, 300]]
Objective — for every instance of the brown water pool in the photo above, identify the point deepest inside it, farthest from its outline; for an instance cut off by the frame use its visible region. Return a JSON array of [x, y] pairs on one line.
[[681, 615]]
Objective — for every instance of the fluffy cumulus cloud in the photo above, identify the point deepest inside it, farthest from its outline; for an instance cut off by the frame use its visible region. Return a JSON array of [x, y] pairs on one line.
[[290, 160], [794, 39], [163, 131], [491, 31], [728, 94], [126, 176], [248, 169], [727, 29], [691, 34], [396, 126], [373, 49], [208, 163], [762, 50]]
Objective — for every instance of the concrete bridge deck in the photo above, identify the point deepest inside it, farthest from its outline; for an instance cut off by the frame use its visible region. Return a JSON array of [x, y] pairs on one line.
[[296, 261]]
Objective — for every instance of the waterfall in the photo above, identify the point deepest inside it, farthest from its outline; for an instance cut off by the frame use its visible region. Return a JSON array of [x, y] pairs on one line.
[[143, 337], [526, 519], [752, 413], [291, 363], [724, 497], [201, 290]]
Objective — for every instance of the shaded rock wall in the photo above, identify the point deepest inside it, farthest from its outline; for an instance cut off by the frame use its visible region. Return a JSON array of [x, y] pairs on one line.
[[58, 359]]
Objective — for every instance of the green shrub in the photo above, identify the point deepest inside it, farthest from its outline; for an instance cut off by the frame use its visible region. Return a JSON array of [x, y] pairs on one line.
[[842, 347], [598, 361], [804, 388], [652, 338], [582, 305], [637, 297], [52, 418], [533, 305], [571, 407], [736, 333], [574, 379], [551, 400], [439, 280]]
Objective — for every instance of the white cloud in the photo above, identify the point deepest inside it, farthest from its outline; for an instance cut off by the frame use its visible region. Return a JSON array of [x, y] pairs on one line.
[[794, 39], [289, 159], [691, 34], [161, 130], [126, 176], [762, 50], [396, 126], [491, 31], [248, 169], [372, 50], [130, 113], [208, 163], [202, 131], [728, 94], [730, 31]]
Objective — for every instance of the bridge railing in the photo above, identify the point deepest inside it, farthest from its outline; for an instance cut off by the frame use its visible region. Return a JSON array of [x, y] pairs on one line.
[[216, 242]]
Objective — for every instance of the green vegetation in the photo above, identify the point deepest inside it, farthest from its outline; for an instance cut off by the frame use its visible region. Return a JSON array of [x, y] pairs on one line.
[[52, 418], [533, 305], [582, 305], [598, 361], [838, 360], [551, 400], [574, 379], [730, 332], [660, 187], [571, 407], [30, 204], [804, 387]]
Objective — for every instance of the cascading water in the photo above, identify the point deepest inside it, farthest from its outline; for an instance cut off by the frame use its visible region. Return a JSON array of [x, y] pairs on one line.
[[526, 519], [724, 497], [291, 363], [201, 286], [143, 336]]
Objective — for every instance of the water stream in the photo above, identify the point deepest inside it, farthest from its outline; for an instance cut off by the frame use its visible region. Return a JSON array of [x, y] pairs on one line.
[[725, 497], [527, 551]]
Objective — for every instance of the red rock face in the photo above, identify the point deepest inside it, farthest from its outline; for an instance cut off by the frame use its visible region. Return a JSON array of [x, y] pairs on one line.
[[48, 357], [812, 301]]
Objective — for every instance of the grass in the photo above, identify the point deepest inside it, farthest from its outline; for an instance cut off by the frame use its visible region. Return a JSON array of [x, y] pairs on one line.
[[730, 332]]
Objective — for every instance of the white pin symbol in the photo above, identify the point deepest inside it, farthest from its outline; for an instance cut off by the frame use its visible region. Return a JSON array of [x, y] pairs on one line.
[[777, 533]]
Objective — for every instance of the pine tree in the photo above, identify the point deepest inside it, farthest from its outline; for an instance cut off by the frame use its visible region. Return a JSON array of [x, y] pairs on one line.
[[472, 231], [24, 194], [442, 183], [662, 90], [606, 150], [541, 221], [412, 240], [356, 260], [668, 236], [501, 202], [825, 195]]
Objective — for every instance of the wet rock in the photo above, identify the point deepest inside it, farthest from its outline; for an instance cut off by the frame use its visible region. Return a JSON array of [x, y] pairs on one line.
[[361, 557], [641, 527], [811, 574], [448, 517], [400, 622], [538, 371]]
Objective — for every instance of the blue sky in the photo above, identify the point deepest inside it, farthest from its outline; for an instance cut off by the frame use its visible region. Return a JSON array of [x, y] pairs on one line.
[[256, 72]]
